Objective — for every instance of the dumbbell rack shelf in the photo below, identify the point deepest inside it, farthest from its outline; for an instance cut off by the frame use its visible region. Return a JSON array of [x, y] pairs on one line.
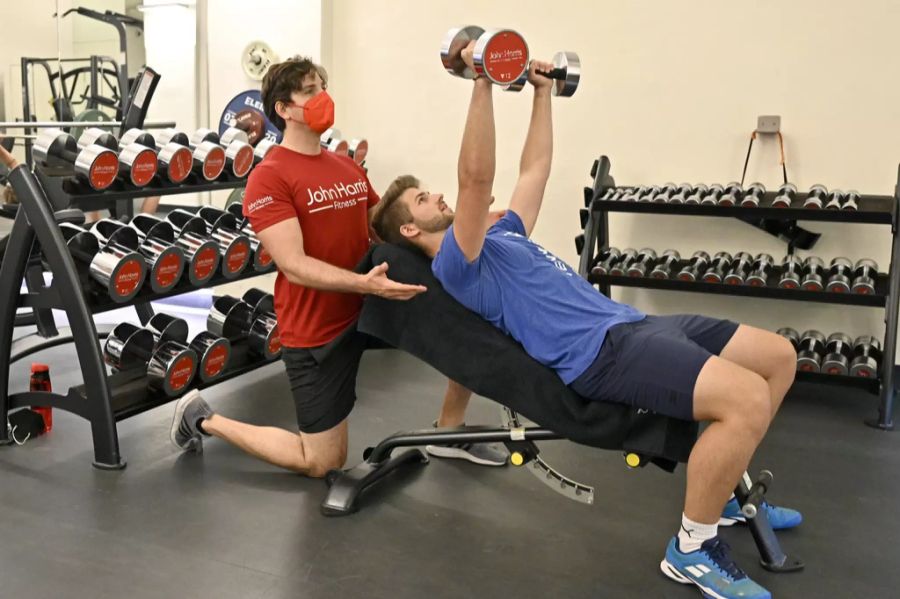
[[102, 399], [873, 209]]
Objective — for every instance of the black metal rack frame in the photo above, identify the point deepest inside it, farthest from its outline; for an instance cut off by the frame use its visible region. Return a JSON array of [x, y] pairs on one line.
[[102, 399], [873, 209]]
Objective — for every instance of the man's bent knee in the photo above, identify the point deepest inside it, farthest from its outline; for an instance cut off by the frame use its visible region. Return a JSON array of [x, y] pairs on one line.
[[319, 466]]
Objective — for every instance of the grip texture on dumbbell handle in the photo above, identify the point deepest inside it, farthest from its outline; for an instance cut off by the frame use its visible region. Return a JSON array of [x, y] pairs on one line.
[[557, 73]]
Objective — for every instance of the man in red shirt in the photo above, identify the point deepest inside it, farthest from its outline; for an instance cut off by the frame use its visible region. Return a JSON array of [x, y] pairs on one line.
[[312, 211]]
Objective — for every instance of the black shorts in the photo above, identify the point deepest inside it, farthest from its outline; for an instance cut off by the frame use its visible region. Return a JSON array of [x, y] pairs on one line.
[[323, 379], [654, 363]]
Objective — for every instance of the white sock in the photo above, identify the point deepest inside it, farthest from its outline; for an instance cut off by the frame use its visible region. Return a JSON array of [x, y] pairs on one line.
[[692, 534]]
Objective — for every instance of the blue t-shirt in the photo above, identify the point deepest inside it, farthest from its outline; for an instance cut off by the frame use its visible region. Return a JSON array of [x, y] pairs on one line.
[[559, 318]]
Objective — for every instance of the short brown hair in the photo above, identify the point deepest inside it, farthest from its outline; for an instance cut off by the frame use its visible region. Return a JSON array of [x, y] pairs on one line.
[[283, 79], [392, 213]]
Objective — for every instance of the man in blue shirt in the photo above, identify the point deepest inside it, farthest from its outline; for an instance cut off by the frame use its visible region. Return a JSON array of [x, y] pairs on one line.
[[691, 367]]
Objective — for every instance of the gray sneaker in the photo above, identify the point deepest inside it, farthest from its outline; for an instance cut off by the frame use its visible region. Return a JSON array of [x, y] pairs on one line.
[[189, 411], [483, 454]]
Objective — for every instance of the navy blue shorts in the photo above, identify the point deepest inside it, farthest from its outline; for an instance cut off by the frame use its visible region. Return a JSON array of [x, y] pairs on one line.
[[654, 363]]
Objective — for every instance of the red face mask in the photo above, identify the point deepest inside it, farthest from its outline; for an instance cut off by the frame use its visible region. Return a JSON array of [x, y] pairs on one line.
[[319, 112]]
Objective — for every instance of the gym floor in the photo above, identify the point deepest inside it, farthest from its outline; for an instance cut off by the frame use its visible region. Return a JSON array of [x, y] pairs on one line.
[[224, 525]]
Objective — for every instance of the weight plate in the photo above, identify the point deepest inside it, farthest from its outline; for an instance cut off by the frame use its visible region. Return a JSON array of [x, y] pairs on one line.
[[245, 111], [91, 115]]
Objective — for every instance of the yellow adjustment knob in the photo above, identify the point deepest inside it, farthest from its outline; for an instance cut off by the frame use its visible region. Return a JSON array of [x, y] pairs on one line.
[[633, 460], [516, 458]]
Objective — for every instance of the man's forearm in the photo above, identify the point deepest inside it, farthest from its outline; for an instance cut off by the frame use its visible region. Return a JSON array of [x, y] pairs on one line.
[[537, 155], [316, 274], [476, 155]]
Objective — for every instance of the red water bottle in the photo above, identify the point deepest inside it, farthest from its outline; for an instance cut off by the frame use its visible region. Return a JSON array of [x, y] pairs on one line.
[[40, 381]]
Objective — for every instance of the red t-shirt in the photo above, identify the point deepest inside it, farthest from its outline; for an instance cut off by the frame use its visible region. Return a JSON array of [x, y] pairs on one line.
[[330, 195]]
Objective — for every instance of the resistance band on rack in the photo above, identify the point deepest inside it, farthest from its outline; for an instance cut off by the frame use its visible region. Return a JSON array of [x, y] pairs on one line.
[[750, 148]]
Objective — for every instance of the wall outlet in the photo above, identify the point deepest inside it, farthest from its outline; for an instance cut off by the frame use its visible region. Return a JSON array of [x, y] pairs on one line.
[[770, 123]]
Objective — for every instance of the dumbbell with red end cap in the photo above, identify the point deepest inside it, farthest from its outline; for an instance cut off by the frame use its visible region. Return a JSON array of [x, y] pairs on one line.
[[620, 267], [713, 195], [213, 353], [759, 274], [666, 266], [866, 357], [174, 155], [173, 364], [118, 239], [695, 268], [721, 264], [753, 195], [500, 55], [137, 161], [851, 200], [264, 338], [681, 194], [813, 274], [235, 320], [233, 244], [164, 260], [239, 154], [791, 335], [208, 157], [864, 275], [835, 199], [200, 251], [838, 353], [128, 347], [169, 365], [259, 301], [642, 264], [262, 150], [810, 351], [262, 260], [840, 275], [118, 268], [816, 197], [740, 268], [358, 149], [331, 140], [791, 272], [785, 196], [93, 165], [699, 192], [607, 258], [732, 195]]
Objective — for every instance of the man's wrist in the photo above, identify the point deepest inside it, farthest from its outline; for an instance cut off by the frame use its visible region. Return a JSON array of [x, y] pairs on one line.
[[360, 284]]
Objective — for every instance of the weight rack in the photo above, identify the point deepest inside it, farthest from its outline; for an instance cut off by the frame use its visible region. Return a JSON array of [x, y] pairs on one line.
[[102, 399], [873, 209]]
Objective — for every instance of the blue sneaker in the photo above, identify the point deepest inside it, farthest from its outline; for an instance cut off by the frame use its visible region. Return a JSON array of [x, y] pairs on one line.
[[712, 570], [781, 518]]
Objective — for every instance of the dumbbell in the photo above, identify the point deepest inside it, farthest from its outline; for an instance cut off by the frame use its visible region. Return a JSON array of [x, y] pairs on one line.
[[631, 194], [642, 264], [233, 244], [810, 351], [173, 364], [759, 274], [94, 165], [838, 353], [719, 267], [816, 196], [213, 353], [262, 149], [835, 199], [851, 200], [174, 156], [264, 338], [667, 191], [791, 272], [331, 140], [864, 274], [840, 276], [785, 196], [695, 267], [208, 158], [236, 147], [681, 194], [732, 195], [169, 368], [261, 258], [259, 301], [866, 356], [666, 266], [160, 241], [791, 335], [501, 55], [713, 195], [137, 158], [201, 252], [358, 150], [607, 258], [740, 268], [566, 73], [700, 190], [813, 274], [235, 320], [165, 261], [753, 195], [116, 265], [619, 268], [649, 194]]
